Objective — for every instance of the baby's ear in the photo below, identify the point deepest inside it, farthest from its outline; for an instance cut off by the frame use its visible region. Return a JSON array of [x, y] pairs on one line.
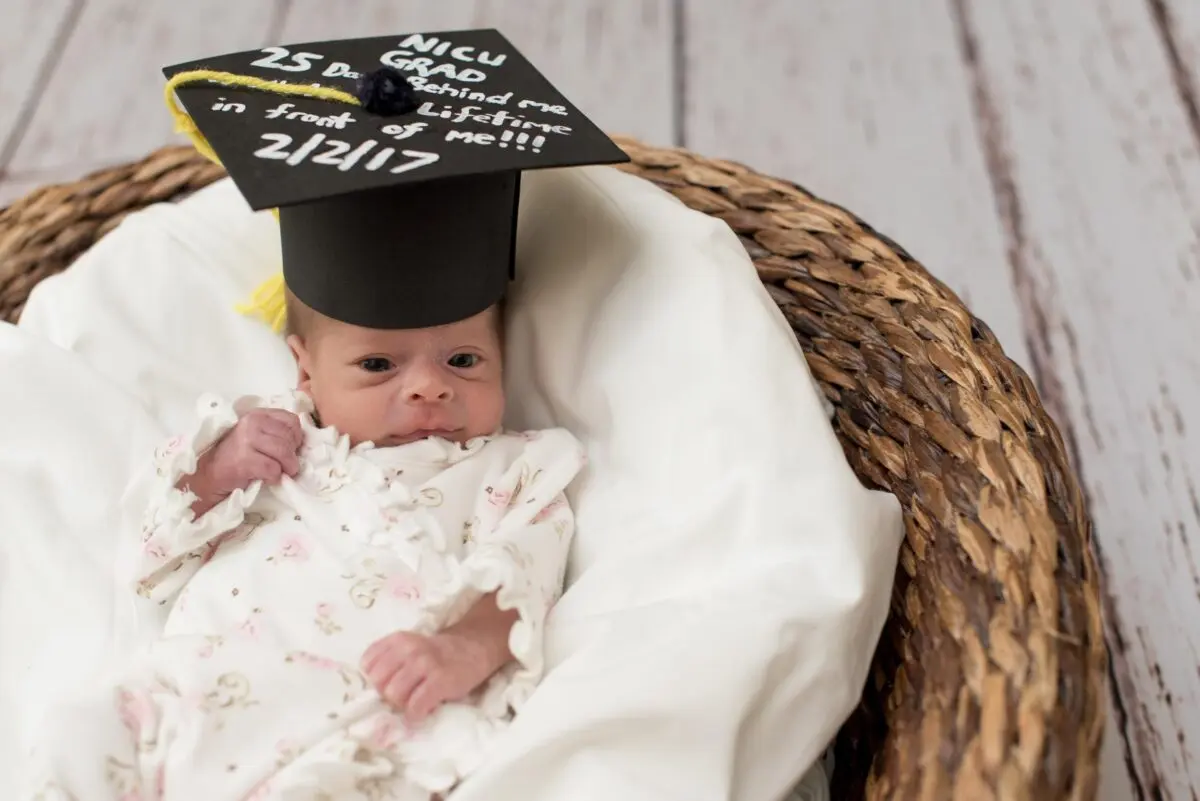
[[303, 362]]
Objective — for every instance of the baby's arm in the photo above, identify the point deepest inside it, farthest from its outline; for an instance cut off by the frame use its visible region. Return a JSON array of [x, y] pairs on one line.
[[515, 564], [199, 485]]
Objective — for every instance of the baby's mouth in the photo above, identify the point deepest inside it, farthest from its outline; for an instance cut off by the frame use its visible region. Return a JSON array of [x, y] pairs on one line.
[[423, 433]]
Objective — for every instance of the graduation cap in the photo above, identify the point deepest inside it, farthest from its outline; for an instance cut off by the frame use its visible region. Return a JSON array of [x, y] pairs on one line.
[[395, 163]]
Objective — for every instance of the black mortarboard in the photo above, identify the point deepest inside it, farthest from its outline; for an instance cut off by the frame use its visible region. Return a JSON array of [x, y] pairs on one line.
[[392, 220]]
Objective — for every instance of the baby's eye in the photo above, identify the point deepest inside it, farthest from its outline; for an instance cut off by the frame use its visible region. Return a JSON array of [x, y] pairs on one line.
[[463, 361], [375, 364]]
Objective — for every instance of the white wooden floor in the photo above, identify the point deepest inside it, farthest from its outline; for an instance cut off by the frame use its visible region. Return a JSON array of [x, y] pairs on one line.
[[1042, 158]]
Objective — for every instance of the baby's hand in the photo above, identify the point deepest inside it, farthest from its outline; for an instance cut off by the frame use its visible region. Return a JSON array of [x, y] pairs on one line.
[[416, 674], [263, 446]]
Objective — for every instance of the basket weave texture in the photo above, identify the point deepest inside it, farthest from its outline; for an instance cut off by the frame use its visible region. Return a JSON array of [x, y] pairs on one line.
[[989, 681]]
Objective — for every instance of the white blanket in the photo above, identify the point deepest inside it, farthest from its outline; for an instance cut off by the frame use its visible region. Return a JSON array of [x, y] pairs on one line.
[[730, 575]]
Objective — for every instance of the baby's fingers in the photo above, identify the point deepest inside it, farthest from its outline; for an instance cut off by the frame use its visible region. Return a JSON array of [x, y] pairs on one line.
[[285, 423], [385, 656], [400, 687], [279, 450], [267, 427], [259, 467], [426, 697]]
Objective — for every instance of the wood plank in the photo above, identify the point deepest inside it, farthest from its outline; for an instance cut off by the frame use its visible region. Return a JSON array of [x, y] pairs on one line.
[[878, 116], [1178, 23], [613, 60], [1103, 221], [867, 105], [29, 39], [104, 100], [15, 186]]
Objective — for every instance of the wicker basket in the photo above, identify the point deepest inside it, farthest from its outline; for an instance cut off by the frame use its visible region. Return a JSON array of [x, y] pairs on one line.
[[989, 682]]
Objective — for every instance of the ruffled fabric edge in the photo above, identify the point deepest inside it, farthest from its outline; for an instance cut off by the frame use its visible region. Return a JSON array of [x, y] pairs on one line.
[[171, 533], [489, 570], [495, 565]]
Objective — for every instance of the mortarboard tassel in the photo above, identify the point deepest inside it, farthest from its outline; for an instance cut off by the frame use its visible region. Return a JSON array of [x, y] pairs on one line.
[[268, 303], [186, 125], [385, 92]]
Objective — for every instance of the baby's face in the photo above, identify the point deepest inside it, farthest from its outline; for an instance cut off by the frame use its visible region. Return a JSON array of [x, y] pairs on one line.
[[394, 387]]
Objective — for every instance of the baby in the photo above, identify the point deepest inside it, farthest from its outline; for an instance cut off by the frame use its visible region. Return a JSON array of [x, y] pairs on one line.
[[354, 577]]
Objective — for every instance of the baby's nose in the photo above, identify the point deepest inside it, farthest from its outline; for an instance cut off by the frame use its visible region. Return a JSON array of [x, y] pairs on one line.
[[426, 385], [429, 394]]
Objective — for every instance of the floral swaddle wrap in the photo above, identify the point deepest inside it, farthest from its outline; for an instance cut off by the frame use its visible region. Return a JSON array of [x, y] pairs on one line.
[[270, 598]]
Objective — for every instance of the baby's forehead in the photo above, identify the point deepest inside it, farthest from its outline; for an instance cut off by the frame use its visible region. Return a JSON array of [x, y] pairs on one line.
[[479, 329]]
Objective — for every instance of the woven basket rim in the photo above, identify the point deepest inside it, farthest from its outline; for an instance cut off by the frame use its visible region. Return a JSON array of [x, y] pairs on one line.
[[990, 680]]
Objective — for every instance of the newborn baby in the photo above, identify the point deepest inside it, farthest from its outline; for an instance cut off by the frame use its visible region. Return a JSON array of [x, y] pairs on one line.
[[355, 580]]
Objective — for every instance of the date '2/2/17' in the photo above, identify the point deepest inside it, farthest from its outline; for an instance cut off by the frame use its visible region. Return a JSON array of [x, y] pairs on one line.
[[340, 154]]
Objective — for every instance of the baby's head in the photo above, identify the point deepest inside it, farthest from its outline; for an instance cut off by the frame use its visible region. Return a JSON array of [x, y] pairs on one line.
[[392, 387]]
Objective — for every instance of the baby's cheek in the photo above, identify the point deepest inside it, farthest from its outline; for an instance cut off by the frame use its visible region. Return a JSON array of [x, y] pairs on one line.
[[364, 413], [487, 409]]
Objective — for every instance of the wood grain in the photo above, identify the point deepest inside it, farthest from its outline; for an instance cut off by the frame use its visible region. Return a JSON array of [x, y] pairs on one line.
[[104, 100], [15, 186], [866, 104], [894, 136], [1178, 23], [29, 35], [613, 60], [1100, 168]]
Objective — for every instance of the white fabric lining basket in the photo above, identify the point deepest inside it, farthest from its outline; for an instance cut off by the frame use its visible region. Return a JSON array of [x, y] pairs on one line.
[[727, 590]]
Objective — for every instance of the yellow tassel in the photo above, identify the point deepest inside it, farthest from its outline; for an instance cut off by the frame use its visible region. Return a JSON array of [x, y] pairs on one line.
[[268, 302], [186, 125]]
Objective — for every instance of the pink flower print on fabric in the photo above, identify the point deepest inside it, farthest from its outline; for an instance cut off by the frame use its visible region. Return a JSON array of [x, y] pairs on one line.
[[550, 510], [403, 586], [155, 549], [160, 782], [294, 547], [319, 662], [499, 498], [137, 711], [249, 626], [167, 450], [392, 516]]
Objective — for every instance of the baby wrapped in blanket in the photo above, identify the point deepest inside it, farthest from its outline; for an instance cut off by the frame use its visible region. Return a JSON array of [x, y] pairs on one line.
[[355, 576]]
